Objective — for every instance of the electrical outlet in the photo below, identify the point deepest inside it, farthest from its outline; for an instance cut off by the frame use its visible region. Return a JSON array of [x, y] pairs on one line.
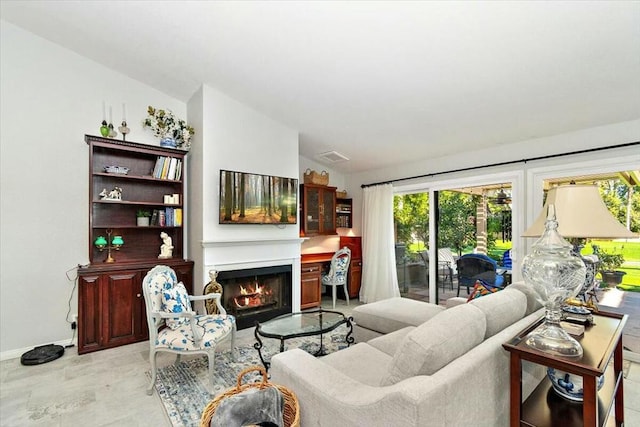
[[74, 322], [74, 318]]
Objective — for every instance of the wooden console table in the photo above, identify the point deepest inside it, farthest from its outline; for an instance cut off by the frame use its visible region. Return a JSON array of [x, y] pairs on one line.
[[601, 342]]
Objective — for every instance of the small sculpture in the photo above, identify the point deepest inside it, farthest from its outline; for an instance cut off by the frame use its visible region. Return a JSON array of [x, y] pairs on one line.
[[115, 194], [212, 287], [166, 249]]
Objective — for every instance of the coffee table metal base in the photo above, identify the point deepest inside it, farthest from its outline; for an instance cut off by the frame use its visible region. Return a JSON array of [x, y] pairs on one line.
[[301, 324]]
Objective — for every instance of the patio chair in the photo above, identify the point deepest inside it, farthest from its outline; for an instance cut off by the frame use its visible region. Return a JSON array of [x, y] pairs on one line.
[[474, 267], [446, 266]]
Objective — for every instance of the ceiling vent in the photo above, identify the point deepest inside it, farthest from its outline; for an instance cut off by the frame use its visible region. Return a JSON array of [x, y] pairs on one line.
[[332, 157]]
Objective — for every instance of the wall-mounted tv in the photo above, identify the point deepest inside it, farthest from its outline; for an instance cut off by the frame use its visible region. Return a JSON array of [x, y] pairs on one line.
[[249, 198]]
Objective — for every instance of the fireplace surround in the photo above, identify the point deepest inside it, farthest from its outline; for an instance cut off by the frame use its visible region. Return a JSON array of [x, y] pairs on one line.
[[256, 294]]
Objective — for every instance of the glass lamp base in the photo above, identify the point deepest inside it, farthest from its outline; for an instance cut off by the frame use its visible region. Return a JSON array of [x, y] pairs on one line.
[[552, 339]]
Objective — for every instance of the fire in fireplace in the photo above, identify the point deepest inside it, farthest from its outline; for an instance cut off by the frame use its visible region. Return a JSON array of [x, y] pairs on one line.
[[256, 294]]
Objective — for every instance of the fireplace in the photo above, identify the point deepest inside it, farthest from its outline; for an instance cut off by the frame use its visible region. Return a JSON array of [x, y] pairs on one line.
[[256, 294]]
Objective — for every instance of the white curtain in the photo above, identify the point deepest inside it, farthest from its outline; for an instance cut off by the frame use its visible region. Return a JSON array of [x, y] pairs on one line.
[[379, 279]]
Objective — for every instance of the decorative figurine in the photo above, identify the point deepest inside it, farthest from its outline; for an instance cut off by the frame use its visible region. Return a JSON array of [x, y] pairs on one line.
[[166, 249], [115, 194], [212, 287]]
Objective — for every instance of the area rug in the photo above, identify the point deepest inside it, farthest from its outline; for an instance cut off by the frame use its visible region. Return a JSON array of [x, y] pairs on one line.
[[182, 388]]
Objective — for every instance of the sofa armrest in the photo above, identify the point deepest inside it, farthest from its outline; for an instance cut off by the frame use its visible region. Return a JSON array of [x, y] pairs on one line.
[[328, 397]]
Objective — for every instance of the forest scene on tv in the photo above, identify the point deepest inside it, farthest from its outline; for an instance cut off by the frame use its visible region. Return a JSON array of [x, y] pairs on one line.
[[247, 198]]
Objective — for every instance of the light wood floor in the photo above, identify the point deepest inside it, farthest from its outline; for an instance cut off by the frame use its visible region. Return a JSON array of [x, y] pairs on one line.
[[107, 388]]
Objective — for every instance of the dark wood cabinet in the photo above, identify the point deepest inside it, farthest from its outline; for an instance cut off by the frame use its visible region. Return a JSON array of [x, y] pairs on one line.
[[344, 214], [111, 309], [354, 278], [311, 285], [318, 209]]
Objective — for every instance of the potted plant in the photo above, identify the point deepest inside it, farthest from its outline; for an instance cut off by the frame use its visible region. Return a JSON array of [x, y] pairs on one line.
[[142, 217], [610, 262], [173, 132]]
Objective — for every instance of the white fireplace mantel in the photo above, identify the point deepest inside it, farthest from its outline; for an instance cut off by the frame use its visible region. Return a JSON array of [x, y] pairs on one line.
[[245, 242]]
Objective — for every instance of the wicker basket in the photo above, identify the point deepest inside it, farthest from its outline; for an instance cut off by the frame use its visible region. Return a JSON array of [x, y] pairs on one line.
[[313, 177], [341, 194], [291, 414]]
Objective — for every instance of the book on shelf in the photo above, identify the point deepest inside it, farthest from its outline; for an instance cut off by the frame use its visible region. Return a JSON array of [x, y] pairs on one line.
[[154, 217], [171, 174], [179, 170], [178, 217], [168, 212]]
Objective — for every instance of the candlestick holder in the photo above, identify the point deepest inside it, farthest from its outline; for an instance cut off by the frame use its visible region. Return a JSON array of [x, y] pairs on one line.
[[116, 243], [112, 131], [104, 129], [124, 130]]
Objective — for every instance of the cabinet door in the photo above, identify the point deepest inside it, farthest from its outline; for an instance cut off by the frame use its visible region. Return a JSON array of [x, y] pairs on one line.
[[310, 286], [355, 278], [121, 308], [328, 212], [89, 313], [312, 209]]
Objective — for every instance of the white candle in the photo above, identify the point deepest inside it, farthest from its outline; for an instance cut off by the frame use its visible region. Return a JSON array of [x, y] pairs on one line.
[[110, 115], [104, 111], [124, 112]]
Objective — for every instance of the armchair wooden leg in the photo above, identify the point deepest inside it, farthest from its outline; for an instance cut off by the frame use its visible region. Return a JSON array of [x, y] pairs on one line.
[[211, 357], [234, 350], [152, 360], [334, 295]]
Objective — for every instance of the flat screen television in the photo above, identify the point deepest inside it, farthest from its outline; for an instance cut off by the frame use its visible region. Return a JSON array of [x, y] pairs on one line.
[[250, 198]]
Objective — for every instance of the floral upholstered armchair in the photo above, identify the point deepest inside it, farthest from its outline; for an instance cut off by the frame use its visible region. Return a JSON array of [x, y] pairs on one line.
[[337, 275], [187, 332]]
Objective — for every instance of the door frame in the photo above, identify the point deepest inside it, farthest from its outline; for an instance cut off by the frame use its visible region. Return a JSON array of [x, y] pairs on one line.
[[515, 177]]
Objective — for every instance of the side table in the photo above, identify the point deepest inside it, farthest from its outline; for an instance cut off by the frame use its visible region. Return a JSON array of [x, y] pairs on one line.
[[601, 342]]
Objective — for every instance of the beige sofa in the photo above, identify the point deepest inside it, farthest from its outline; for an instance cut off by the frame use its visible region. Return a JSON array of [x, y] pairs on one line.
[[451, 370]]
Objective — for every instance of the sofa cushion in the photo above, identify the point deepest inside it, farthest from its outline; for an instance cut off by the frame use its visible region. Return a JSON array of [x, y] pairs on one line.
[[532, 296], [175, 299], [437, 342], [389, 343], [501, 309], [360, 362], [391, 314]]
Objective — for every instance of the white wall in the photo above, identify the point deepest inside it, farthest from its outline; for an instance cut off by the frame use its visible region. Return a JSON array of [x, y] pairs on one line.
[[51, 97], [238, 138], [584, 139]]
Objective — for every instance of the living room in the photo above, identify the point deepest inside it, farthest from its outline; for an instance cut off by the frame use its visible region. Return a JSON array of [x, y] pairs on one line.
[[52, 96]]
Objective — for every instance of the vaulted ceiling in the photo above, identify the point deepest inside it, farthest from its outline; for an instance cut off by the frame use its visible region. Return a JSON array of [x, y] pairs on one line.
[[379, 82]]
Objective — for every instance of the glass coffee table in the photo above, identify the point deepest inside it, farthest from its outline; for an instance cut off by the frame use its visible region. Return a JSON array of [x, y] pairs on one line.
[[302, 324]]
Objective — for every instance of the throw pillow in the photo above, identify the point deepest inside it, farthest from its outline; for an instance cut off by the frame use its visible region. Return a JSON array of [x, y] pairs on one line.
[[175, 299], [482, 288]]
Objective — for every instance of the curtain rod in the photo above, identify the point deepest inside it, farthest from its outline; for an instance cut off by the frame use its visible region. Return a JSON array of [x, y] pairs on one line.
[[510, 162]]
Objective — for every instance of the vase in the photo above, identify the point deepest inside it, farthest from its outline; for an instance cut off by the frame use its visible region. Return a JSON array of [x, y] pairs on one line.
[[569, 385], [168, 142], [142, 221]]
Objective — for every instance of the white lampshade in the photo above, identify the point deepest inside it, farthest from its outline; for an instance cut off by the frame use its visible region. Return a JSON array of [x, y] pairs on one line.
[[581, 213]]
